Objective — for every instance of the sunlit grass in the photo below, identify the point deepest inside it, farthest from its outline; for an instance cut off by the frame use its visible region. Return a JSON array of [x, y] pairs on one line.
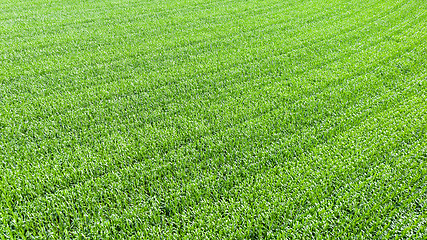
[[213, 119]]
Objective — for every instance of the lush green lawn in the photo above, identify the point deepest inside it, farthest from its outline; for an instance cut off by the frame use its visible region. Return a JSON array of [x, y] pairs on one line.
[[218, 119]]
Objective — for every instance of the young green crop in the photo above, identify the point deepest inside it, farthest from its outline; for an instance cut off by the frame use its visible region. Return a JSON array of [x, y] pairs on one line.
[[213, 119]]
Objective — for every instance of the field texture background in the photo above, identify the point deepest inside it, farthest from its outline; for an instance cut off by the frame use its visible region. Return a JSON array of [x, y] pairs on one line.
[[213, 119]]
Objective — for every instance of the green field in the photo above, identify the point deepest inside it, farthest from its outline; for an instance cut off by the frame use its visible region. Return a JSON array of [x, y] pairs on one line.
[[213, 119]]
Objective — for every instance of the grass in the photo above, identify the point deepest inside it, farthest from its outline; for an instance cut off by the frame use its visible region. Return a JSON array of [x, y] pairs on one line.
[[215, 119]]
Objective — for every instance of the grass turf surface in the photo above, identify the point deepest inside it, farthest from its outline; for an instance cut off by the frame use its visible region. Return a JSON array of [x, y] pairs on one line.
[[213, 119]]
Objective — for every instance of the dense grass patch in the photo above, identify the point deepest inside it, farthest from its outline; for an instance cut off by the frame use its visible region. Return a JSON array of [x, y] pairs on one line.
[[255, 119]]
